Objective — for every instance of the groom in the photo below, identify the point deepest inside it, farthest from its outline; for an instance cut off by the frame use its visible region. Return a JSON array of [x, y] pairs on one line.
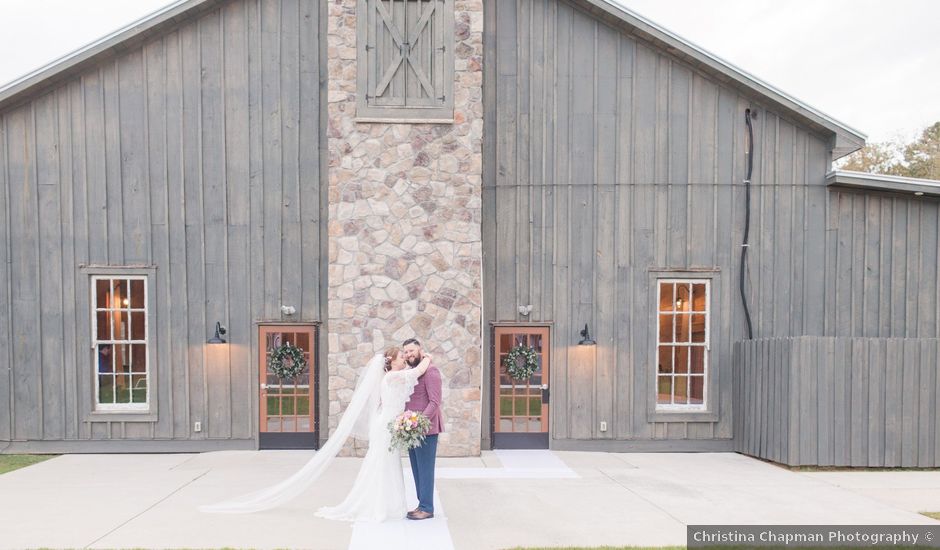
[[426, 399]]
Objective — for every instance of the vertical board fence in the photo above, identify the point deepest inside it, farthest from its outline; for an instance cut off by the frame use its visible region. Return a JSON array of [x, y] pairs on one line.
[[834, 401]]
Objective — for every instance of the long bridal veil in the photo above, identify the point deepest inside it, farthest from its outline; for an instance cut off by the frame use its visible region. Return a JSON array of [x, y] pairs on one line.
[[355, 421]]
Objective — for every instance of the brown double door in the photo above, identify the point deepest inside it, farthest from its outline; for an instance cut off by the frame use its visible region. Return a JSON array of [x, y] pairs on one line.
[[288, 405], [521, 407]]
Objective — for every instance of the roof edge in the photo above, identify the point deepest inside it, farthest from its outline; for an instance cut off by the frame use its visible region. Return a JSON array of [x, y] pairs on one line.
[[883, 182], [58, 69], [848, 139]]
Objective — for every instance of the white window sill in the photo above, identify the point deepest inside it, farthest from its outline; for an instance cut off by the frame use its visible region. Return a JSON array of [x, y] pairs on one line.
[[682, 415], [394, 120], [121, 415]]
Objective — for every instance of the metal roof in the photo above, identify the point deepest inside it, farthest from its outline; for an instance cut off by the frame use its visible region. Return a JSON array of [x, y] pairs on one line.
[[881, 182]]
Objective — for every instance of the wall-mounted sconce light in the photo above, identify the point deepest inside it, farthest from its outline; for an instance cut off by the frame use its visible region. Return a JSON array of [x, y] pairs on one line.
[[525, 310], [288, 310], [586, 339], [219, 331]]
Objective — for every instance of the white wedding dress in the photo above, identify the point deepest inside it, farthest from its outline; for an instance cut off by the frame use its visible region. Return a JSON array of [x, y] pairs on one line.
[[378, 493]]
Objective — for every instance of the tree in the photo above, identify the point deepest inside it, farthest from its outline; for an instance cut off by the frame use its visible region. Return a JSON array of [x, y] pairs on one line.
[[922, 156], [875, 158], [917, 159]]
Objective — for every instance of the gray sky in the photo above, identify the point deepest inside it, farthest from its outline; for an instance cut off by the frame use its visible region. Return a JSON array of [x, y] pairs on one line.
[[872, 64]]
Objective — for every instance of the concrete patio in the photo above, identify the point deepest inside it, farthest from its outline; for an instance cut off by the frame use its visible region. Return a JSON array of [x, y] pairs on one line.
[[499, 500]]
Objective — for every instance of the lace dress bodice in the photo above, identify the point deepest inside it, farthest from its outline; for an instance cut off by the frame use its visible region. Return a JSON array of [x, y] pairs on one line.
[[396, 390]]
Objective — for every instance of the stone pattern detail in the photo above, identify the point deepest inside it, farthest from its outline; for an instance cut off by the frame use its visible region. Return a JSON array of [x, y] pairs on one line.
[[405, 249]]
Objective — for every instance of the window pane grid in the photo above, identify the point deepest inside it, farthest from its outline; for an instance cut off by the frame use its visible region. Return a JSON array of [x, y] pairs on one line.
[[682, 343], [120, 342], [288, 400], [520, 402]]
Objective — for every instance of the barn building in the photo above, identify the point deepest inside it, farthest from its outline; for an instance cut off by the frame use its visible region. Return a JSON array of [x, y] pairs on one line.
[[658, 233]]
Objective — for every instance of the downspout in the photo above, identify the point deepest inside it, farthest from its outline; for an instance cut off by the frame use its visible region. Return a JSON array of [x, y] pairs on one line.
[[749, 162]]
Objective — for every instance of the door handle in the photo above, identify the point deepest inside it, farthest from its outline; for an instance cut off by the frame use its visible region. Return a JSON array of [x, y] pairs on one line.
[[545, 394]]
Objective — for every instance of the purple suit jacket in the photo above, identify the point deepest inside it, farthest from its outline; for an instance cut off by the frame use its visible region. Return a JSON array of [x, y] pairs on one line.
[[426, 398]]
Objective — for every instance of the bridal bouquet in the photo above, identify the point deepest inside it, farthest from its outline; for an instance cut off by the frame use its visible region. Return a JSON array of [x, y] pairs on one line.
[[408, 430]]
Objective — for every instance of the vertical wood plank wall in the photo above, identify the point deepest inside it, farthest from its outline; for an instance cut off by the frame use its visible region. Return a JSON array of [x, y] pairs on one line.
[[197, 152], [839, 401], [607, 158], [882, 265]]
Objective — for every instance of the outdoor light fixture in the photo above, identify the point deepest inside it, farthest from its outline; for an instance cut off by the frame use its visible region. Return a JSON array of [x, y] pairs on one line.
[[219, 331], [586, 339]]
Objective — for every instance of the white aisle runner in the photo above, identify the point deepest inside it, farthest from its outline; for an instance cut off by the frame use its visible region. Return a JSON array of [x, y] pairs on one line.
[[434, 533], [405, 533]]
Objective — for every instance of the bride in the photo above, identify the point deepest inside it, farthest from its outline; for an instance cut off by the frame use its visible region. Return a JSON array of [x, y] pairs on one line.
[[378, 494]]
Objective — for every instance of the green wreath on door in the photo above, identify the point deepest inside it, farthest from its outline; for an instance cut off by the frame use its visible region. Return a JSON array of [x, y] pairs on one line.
[[287, 361], [521, 370]]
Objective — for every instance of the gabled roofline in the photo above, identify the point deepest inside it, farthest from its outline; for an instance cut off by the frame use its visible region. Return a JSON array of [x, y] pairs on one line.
[[847, 139], [112, 44], [881, 182]]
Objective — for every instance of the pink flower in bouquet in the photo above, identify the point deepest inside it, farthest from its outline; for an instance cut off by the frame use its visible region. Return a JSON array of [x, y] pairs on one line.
[[408, 430]]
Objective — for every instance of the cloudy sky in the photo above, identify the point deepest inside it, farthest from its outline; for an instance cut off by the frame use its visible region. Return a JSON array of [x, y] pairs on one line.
[[871, 64]]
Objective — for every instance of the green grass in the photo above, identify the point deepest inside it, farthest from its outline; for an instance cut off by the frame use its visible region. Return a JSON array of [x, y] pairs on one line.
[[8, 463], [506, 405], [287, 405], [598, 548], [932, 515], [847, 468], [856, 468], [106, 395], [716, 547], [601, 548]]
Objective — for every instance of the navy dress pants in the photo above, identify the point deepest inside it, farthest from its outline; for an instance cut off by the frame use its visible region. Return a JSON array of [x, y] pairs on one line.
[[422, 467]]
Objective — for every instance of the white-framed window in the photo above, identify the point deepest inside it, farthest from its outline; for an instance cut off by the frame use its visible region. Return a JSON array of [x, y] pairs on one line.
[[682, 344], [121, 360]]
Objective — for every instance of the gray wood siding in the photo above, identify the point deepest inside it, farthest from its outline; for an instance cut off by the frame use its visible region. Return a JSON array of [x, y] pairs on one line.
[[838, 401], [882, 265], [198, 154], [607, 159], [6, 296]]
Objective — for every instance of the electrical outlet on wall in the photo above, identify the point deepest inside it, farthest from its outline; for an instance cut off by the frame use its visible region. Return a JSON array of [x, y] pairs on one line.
[[603, 425], [197, 427]]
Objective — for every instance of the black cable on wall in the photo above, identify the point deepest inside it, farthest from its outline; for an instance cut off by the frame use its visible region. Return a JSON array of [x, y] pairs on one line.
[[749, 161]]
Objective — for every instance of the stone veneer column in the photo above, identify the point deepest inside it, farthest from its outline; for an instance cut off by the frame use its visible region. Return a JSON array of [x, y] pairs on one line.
[[404, 230]]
